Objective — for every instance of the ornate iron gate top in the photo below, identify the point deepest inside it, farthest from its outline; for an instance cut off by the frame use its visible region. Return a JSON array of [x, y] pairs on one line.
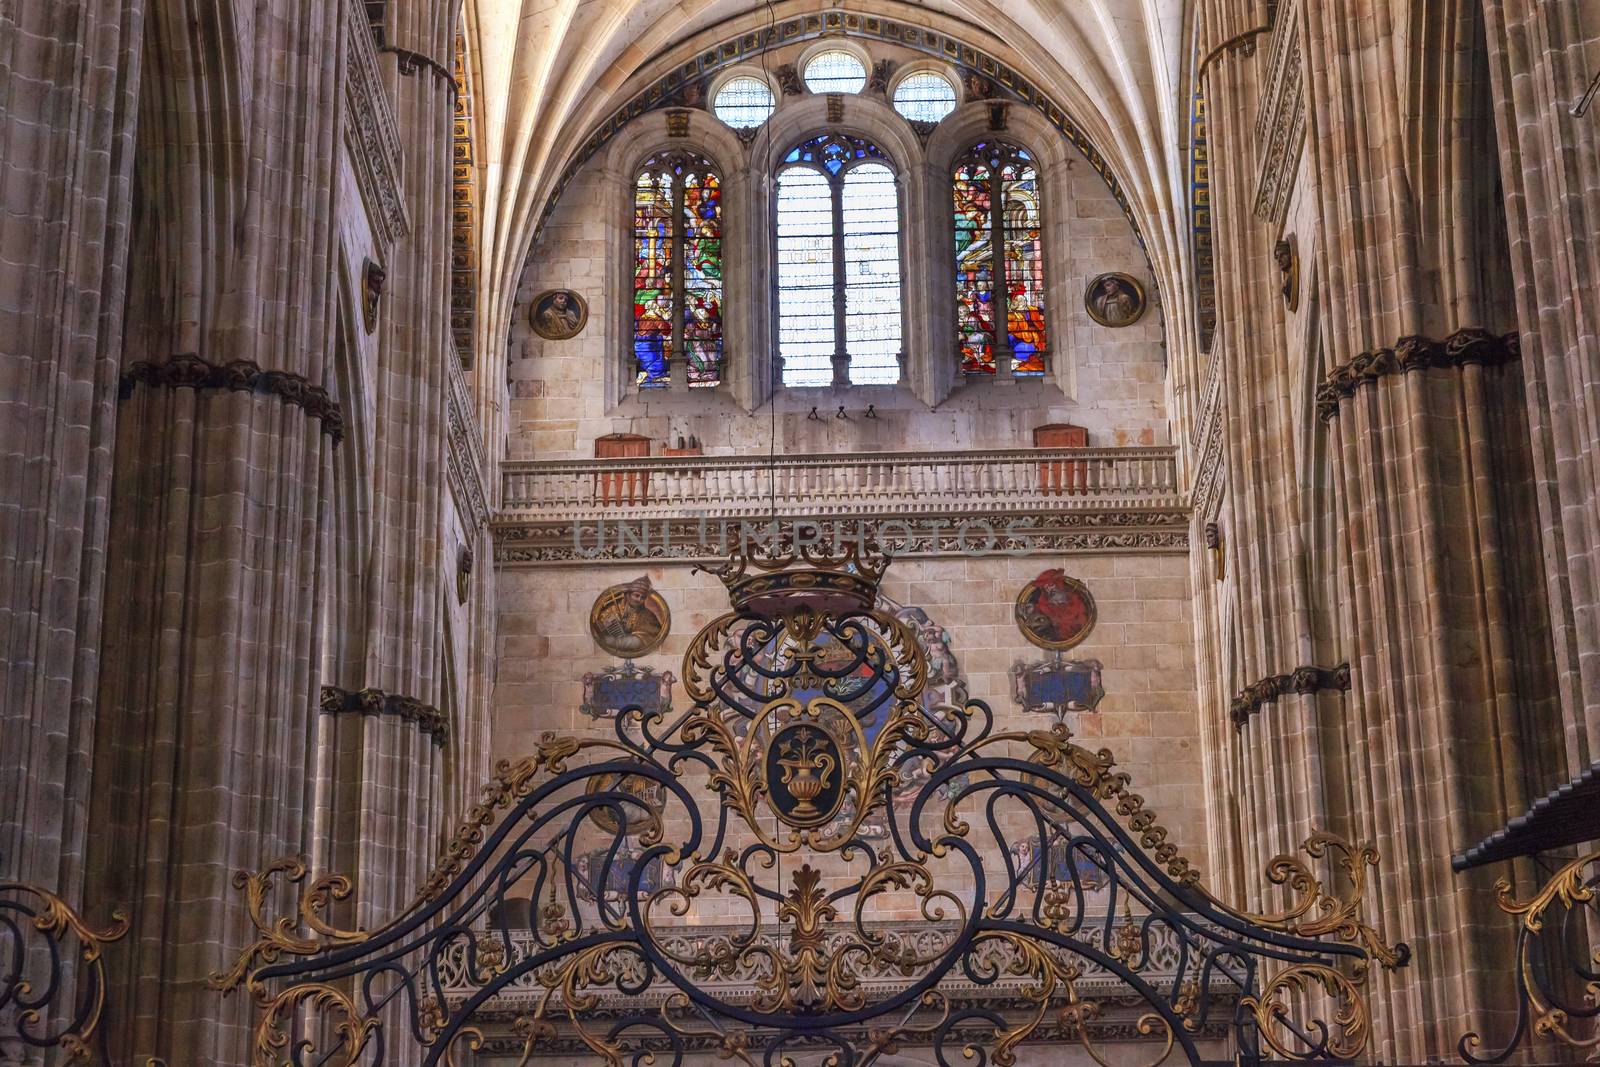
[[811, 796]]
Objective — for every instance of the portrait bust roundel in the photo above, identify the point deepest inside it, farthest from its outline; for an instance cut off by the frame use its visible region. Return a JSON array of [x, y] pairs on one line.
[[1054, 611], [630, 620], [558, 314], [1114, 299]]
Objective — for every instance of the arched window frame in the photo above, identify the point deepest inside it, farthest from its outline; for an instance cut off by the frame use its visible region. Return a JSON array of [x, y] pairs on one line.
[[684, 170], [994, 158], [652, 134], [1068, 257], [837, 182]]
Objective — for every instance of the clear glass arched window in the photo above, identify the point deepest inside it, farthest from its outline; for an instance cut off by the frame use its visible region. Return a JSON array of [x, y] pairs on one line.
[[999, 260], [835, 72], [744, 103], [838, 254], [925, 96], [677, 276]]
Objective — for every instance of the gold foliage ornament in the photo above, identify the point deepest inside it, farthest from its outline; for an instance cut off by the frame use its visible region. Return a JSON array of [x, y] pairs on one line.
[[703, 885], [34, 999], [1557, 963]]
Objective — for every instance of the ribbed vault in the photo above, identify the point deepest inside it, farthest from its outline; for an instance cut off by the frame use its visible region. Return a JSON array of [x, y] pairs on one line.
[[549, 72]]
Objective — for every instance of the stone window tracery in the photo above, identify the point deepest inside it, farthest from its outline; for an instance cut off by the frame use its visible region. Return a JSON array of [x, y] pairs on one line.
[[838, 255], [999, 261], [677, 281]]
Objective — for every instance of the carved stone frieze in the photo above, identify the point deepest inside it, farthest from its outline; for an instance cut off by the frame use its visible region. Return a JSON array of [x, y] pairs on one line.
[[1281, 122], [533, 542], [1471, 345], [464, 451], [430, 720], [241, 375], [1301, 680], [370, 133]]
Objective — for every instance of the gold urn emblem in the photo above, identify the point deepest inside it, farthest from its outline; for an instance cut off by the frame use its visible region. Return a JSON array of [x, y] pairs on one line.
[[804, 774]]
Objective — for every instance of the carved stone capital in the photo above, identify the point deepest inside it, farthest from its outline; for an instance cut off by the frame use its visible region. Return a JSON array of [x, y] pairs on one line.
[[1301, 681], [1471, 345], [189, 371], [370, 701]]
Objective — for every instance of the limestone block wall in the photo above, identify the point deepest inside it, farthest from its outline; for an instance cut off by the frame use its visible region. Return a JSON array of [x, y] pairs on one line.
[[1143, 639]]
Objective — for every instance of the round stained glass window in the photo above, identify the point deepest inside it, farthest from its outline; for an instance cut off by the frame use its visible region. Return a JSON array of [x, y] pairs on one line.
[[925, 97], [835, 72], [743, 103]]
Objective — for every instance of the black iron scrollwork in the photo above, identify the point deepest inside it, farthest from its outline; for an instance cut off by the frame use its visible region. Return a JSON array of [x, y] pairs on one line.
[[812, 858]]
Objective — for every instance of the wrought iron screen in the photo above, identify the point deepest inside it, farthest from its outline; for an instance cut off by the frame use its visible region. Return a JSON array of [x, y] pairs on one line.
[[814, 862]]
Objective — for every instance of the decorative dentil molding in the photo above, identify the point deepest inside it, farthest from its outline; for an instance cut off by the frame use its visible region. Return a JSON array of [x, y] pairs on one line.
[[370, 131], [430, 720], [189, 371], [1471, 345], [1302, 680]]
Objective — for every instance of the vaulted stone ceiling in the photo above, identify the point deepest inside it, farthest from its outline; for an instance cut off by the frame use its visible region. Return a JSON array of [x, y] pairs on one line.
[[546, 72]]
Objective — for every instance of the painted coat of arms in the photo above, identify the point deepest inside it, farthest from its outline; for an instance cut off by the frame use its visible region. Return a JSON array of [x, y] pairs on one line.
[[1058, 685]]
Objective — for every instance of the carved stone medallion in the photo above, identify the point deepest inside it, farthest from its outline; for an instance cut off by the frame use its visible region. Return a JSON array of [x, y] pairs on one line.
[[558, 314], [1114, 299], [630, 620]]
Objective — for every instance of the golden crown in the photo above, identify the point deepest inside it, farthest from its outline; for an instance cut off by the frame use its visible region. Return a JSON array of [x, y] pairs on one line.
[[802, 570]]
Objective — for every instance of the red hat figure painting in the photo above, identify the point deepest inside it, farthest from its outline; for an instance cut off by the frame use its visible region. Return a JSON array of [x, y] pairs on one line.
[[1055, 611]]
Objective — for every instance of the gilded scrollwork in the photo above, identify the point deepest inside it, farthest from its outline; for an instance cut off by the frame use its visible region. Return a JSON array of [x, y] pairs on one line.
[[1557, 965], [35, 926]]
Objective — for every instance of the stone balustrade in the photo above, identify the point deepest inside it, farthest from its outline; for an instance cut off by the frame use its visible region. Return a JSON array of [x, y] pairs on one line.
[[827, 486]]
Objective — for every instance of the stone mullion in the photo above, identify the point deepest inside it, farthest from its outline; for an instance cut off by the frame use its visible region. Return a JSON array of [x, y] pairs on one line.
[[76, 73], [1552, 182]]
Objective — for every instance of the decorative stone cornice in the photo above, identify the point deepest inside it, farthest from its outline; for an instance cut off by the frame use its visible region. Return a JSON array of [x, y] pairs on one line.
[[428, 719], [191, 372], [370, 133], [1300, 680], [536, 543], [1467, 346]]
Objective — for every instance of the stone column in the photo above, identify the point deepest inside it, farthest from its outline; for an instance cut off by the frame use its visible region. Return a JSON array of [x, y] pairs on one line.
[[224, 439], [67, 109], [1542, 58], [387, 793], [1423, 407]]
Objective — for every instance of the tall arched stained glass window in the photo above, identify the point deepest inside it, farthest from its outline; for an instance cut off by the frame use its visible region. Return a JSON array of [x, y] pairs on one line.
[[677, 278], [838, 264], [998, 224]]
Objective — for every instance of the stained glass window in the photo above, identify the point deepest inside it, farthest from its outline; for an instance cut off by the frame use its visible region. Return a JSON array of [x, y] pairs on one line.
[[677, 279], [744, 103], [925, 97], [998, 225], [835, 72], [838, 263]]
